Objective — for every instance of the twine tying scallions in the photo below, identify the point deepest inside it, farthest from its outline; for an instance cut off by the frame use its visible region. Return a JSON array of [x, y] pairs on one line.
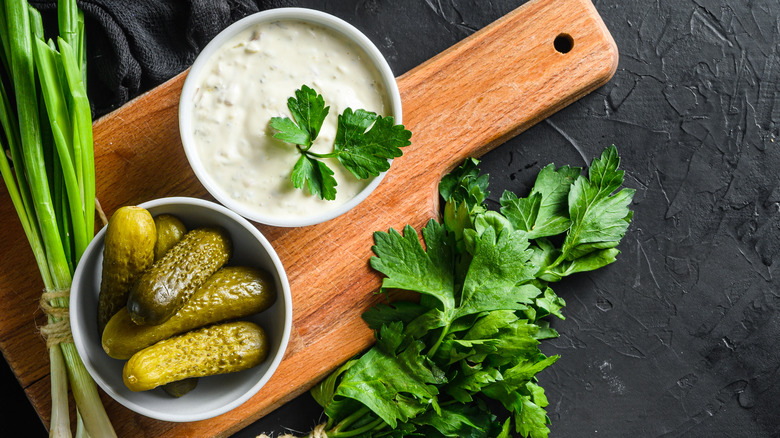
[[58, 331], [100, 212], [318, 432]]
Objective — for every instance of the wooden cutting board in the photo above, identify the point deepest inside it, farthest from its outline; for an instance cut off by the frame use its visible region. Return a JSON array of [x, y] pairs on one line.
[[463, 102]]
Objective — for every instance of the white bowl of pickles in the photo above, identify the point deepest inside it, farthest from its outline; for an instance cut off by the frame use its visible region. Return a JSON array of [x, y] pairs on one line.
[[180, 309]]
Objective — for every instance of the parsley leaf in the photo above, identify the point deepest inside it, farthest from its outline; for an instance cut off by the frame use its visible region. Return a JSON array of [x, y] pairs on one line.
[[410, 267], [599, 218], [531, 420], [366, 153], [315, 175], [588, 209], [457, 420], [395, 387], [290, 132], [464, 191], [364, 144], [309, 111], [543, 213], [465, 184], [492, 282], [403, 311], [550, 304], [498, 267]]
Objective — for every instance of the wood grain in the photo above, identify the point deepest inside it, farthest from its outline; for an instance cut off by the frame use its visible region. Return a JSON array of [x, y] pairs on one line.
[[461, 103]]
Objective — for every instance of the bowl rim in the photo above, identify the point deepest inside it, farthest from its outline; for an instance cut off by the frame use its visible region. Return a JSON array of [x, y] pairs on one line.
[[190, 87], [285, 295]]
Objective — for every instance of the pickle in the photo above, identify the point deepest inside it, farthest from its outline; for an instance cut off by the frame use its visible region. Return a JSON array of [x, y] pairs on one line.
[[180, 387], [232, 292], [127, 253], [170, 230], [208, 351], [164, 288]]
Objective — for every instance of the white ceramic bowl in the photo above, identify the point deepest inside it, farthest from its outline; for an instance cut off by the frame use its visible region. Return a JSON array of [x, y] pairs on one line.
[[190, 88], [213, 395]]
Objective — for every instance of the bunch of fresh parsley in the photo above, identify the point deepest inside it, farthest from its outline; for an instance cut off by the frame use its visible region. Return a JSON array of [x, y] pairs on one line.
[[462, 361], [364, 144]]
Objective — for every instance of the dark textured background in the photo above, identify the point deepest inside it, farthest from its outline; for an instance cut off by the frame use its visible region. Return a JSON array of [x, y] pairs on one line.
[[679, 338]]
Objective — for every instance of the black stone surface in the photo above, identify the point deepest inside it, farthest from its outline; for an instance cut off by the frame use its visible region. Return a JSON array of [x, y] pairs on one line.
[[679, 337]]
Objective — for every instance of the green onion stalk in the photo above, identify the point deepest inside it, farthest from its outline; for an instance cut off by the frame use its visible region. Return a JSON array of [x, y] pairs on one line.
[[49, 171]]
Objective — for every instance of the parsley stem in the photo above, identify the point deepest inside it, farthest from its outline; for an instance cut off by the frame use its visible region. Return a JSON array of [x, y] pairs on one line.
[[374, 424], [316, 155], [435, 346], [554, 264], [350, 419]]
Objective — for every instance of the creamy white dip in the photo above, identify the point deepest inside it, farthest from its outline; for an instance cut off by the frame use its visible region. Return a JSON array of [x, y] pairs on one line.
[[247, 82]]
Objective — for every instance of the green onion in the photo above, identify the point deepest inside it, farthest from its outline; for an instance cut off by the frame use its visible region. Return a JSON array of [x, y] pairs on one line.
[[47, 128]]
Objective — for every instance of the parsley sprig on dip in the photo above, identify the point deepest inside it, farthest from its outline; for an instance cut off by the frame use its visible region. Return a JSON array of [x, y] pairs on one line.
[[462, 361], [364, 144]]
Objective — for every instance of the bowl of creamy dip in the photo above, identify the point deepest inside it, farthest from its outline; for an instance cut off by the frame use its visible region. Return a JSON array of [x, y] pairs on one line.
[[245, 76]]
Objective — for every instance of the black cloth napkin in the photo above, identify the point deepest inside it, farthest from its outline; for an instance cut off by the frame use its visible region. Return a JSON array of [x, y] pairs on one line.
[[134, 45]]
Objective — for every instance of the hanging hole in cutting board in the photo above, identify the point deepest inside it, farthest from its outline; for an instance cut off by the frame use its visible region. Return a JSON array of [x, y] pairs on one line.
[[563, 43]]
